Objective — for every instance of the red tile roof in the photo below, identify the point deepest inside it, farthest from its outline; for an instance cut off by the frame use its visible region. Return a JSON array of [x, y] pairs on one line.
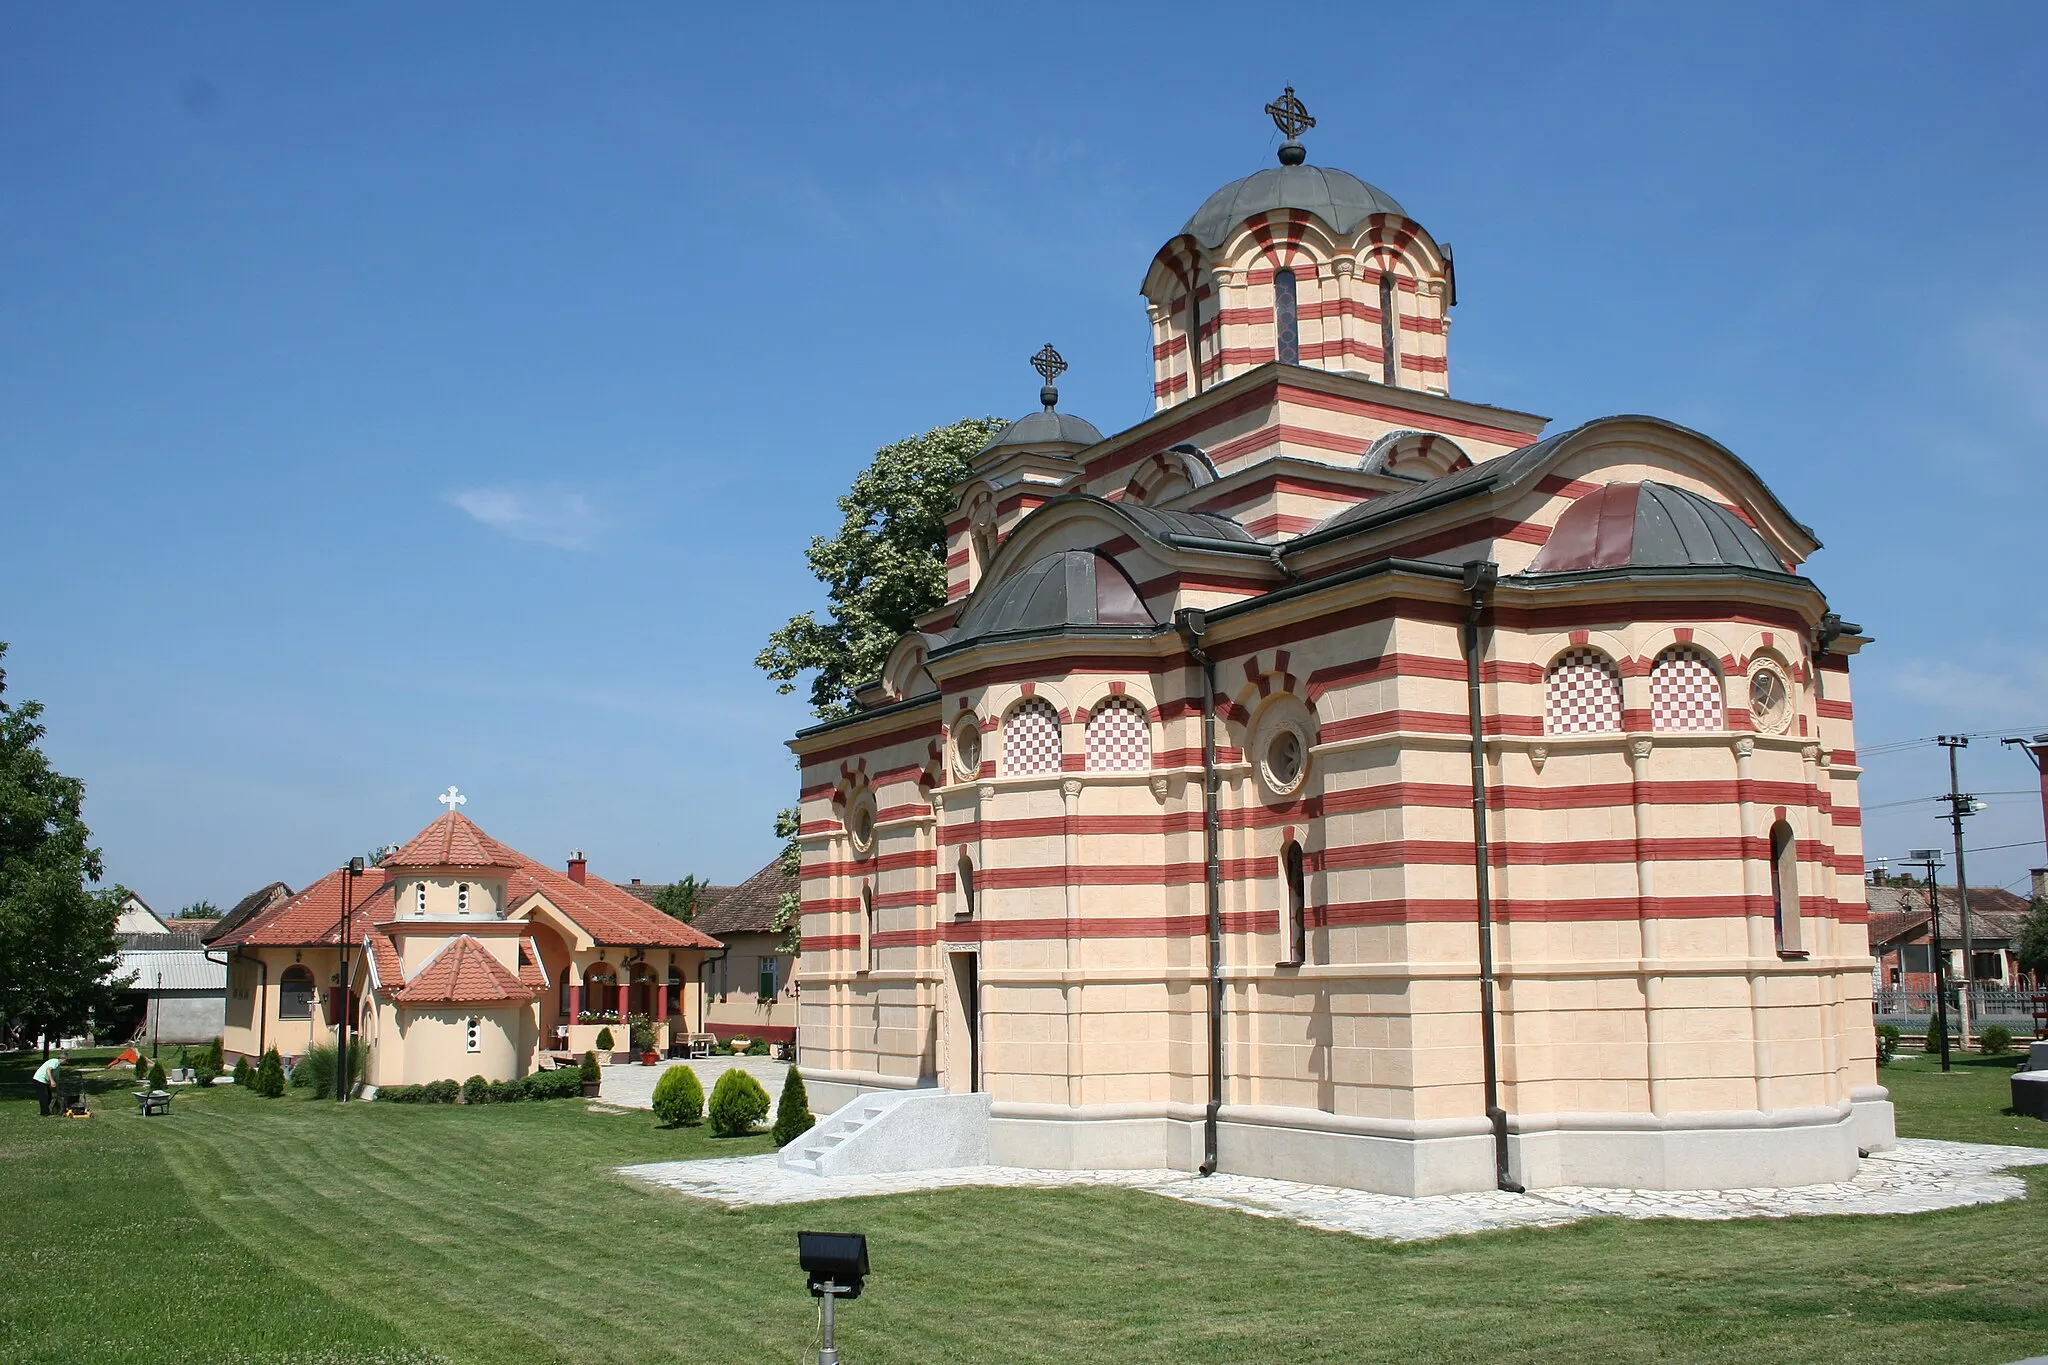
[[609, 914], [532, 971], [463, 973], [454, 841], [390, 967]]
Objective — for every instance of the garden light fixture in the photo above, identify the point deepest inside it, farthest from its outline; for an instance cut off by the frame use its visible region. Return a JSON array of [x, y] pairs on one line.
[[836, 1263]]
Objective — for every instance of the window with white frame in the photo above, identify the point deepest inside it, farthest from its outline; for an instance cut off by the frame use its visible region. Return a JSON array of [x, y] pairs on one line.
[[462, 898], [419, 898], [766, 985], [473, 1035]]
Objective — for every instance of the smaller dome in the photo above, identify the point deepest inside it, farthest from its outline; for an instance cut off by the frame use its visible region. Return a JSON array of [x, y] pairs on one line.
[[1651, 526], [1045, 428], [1070, 588], [1339, 198]]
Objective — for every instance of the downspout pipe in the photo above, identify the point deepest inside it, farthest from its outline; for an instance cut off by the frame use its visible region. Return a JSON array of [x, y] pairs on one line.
[[1479, 579], [1193, 624]]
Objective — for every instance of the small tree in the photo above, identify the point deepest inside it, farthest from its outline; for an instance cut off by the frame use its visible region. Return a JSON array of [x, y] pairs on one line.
[[604, 1040], [679, 1098], [1887, 1043], [156, 1076], [244, 1073], [2031, 947], [642, 1030], [270, 1076], [793, 1112], [680, 899], [789, 906], [591, 1074], [199, 910], [1935, 1035], [1995, 1040], [216, 1061], [737, 1103]]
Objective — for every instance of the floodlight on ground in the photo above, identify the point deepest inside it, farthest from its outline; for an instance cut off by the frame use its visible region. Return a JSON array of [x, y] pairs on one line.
[[836, 1263]]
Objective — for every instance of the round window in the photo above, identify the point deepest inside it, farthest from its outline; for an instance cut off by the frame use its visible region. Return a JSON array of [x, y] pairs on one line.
[[1286, 756], [862, 826], [1770, 701], [967, 751]]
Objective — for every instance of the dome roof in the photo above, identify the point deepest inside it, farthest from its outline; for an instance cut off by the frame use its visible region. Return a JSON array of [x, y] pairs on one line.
[[1651, 526], [1339, 198], [1069, 588], [1045, 428]]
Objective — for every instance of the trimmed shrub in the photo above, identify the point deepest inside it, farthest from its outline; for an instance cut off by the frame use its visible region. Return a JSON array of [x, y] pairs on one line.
[[562, 1083], [590, 1070], [1887, 1043], [737, 1103], [399, 1094], [793, 1116], [504, 1092], [1995, 1041], [439, 1092], [759, 1049], [679, 1098], [1935, 1036], [270, 1076], [214, 1060], [156, 1076], [476, 1090], [604, 1040], [244, 1073]]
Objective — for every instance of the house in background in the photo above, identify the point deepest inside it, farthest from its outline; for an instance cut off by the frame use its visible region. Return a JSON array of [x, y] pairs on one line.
[[750, 988], [1901, 943], [176, 993]]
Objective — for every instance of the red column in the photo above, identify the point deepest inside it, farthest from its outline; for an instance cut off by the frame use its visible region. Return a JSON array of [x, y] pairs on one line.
[[575, 1000], [661, 999], [625, 1034]]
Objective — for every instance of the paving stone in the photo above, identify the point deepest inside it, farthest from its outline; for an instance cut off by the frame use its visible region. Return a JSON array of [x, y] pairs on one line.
[[1918, 1176]]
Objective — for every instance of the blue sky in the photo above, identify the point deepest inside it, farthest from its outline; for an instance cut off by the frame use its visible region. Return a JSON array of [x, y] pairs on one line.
[[392, 397]]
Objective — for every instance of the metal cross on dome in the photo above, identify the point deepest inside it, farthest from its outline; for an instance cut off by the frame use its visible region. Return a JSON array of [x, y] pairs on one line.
[[1049, 363], [1289, 115], [452, 798]]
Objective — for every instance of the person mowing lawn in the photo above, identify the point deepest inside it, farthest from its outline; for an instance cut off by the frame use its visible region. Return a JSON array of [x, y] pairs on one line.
[[46, 1081]]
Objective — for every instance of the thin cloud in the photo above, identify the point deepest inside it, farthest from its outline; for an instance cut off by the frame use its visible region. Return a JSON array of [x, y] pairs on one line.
[[554, 517]]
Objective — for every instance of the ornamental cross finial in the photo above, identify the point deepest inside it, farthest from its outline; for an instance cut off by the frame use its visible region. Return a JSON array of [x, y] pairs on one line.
[[451, 799], [1050, 366], [1289, 115]]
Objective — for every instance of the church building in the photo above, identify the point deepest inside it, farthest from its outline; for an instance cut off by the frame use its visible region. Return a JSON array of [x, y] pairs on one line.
[[461, 957], [1335, 779]]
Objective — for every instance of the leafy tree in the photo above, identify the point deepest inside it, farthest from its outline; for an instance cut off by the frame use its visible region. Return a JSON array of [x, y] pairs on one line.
[[679, 900], [58, 949], [793, 1116], [788, 920], [2031, 948], [885, 568], [199, 910]]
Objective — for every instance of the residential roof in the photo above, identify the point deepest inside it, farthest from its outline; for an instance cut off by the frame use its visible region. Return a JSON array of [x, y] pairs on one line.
[[248, 907], [454, 841], [607, 913], [750, 907], [463, 973], [184, 968], [1995, 913]]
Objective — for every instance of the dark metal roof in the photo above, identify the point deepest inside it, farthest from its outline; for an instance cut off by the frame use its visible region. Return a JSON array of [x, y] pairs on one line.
[[1044, 428], [1068, 588], [1337, 197], [1650, 525]]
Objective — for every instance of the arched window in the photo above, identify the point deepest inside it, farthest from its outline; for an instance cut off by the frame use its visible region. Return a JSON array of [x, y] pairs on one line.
[[419, 898], [1582, 694], [1785, 888], [867, 928], [462, 898], [1119, 737], [1685, 691], [295, 994], [1390, 329], [1031, 738], [1297, 904], [473, 1035], [966, 885], [1286, 319]]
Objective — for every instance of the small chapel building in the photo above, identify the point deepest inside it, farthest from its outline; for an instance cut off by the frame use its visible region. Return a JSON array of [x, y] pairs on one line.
[[1335, 779], [463, 957]]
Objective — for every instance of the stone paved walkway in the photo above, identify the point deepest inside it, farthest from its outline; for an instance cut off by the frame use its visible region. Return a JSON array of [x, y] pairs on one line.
[[1917, 1177], [632, 1087]]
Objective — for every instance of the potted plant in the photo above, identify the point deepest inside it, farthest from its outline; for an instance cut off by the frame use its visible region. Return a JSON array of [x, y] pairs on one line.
[[593, 1079], [739, 1045], [605, 1042], [643, 1040]]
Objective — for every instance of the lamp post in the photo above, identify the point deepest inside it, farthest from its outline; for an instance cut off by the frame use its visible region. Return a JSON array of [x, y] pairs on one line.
[[350, 870], [1930, 858]]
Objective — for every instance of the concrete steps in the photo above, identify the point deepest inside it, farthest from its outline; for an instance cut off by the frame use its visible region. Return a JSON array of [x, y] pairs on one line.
[[902, 1130]]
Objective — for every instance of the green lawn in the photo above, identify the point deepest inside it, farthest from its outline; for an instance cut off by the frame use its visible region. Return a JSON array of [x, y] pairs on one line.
[[242, 1229]]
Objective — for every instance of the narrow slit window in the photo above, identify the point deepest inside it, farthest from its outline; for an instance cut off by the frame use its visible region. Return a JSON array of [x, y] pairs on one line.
[[1390, 329], [1286, 319], [867, 928], [966, 885], [1785, 888], [1297, 905]]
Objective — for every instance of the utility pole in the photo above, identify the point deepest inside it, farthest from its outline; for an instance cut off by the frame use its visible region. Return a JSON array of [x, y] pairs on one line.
[[350, 870], [1960, 805], [1930, 858]]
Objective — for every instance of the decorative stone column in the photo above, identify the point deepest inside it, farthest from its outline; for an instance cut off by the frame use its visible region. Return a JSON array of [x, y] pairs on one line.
[[1070, 986], [1755, 884], [1651, 963]]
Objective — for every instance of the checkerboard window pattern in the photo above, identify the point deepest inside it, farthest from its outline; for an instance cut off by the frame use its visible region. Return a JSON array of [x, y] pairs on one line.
[[1031, 738], [1119, 737], [1584, 695], [1685, 691]]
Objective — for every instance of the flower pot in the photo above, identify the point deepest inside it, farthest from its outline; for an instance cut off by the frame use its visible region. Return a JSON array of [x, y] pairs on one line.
[[590, 1089], [739, 1045], [650, 1057]]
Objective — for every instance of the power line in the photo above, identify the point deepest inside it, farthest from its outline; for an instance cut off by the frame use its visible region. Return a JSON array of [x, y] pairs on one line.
[[1896, 745]]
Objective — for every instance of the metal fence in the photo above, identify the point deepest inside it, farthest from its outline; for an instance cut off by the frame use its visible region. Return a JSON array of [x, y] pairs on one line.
[[1910, 1010]]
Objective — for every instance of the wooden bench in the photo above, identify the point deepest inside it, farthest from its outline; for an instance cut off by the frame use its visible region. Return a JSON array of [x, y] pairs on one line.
[[153, 1102]]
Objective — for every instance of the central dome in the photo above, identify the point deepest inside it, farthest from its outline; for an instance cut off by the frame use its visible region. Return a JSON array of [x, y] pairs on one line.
[[1339, 198]]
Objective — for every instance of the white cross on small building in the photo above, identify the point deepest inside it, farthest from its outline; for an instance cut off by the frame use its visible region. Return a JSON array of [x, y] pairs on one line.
[[451, 799]]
